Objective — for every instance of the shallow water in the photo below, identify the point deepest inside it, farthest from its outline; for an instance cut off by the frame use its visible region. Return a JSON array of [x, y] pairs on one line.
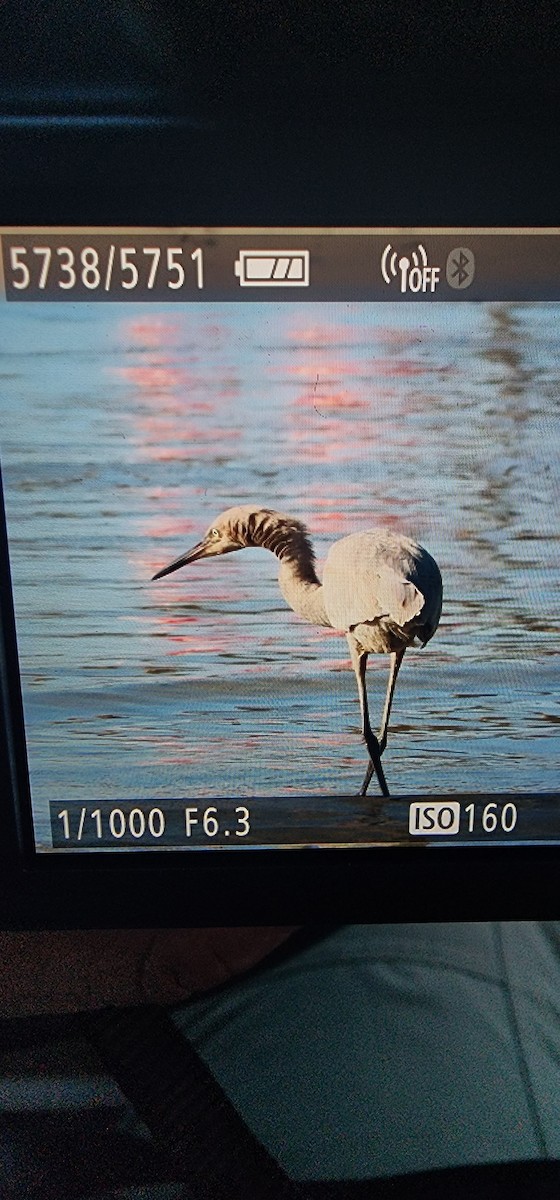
[[126, 429]]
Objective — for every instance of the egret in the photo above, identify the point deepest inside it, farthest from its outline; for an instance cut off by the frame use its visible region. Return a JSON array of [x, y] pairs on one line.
[[380, 588]]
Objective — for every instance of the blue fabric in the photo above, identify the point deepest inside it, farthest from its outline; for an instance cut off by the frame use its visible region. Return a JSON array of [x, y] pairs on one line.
[[387, 1049], [374, 1051]]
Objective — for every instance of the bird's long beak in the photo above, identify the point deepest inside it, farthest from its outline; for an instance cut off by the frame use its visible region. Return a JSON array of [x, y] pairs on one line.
[[197, 551]]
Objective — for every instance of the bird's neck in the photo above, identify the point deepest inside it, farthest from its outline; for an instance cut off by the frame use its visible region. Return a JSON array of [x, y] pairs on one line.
[[289, 541], [298, 581], [303, 592]]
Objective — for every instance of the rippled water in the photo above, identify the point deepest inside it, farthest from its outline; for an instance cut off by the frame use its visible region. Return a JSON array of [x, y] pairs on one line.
[[126, 429]]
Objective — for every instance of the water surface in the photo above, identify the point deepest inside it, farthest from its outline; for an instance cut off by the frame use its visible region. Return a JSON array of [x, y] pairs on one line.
[[125, 429]]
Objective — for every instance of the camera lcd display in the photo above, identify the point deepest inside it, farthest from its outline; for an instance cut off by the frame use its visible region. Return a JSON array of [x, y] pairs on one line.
[[245, 400]]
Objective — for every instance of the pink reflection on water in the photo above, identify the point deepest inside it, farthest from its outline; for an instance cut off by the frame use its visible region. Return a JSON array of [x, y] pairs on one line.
[[309, 334], [329, 522], [349, 516], [321, 452], [232, 596], [323, 369], [162, 527], [155, 377], [180, 621], [338, 409], [196, 645], [329, 443], [165, 439], [320, 399], [152, 331], [179, 410], [229, 390]]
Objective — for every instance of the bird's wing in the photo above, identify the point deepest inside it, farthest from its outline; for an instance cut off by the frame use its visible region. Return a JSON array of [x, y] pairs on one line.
[[367, 576]]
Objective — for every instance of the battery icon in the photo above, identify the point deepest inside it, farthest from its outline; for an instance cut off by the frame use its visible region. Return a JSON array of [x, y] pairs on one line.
[[273, 268]]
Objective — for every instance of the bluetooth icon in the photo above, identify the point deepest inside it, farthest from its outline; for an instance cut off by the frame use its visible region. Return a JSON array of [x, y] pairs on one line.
[[459, 270]]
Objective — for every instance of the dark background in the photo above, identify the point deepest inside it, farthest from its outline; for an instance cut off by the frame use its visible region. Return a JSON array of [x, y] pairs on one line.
[[286, 113]]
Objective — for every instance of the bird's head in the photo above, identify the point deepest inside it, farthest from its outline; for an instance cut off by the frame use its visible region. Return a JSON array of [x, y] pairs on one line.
[[232, 530]]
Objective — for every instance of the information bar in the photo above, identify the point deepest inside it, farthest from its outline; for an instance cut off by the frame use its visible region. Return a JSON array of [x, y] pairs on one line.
[[506, 818], [424, 266]]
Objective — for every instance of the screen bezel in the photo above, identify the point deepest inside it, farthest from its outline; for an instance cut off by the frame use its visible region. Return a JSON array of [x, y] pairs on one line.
[[263, 886]]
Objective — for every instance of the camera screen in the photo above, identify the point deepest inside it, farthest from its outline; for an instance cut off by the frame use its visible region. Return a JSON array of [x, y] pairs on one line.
[[371, 417]]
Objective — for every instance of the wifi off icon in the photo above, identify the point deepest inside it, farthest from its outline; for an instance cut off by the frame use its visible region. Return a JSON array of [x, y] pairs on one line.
[[412, 270]]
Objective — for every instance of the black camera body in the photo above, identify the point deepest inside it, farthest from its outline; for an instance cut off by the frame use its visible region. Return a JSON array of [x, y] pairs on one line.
[[319, 332]]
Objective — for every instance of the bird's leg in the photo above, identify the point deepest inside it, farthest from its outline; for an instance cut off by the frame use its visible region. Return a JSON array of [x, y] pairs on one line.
[[396, 660], [359, 663]]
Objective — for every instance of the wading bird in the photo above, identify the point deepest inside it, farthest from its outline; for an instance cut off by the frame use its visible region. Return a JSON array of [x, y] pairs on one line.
[[379, 588]]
